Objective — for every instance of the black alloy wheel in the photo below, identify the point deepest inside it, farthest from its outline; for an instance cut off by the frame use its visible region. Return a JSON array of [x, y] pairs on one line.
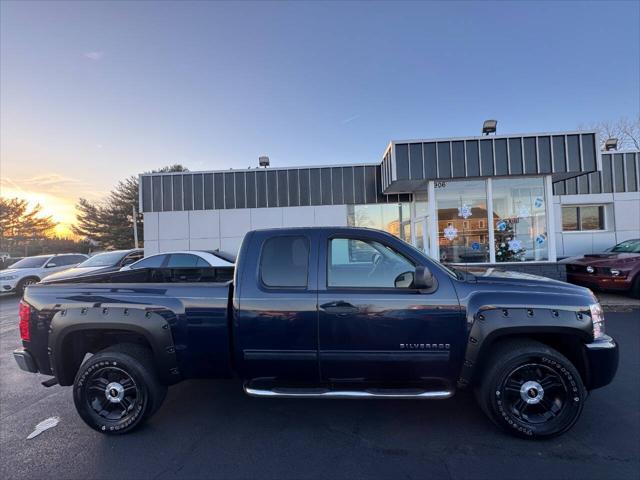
[[531, 390], [117, 389]]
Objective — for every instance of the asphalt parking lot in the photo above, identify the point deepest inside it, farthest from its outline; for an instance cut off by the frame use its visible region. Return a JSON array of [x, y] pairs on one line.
[[208, 429]]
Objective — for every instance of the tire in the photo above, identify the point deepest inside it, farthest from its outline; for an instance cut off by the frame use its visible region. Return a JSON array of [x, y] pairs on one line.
[[635, 287], [117, 389], [24, 283], [531, 390]]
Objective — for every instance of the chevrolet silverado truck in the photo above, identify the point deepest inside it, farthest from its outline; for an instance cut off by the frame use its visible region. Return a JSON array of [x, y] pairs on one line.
[[322, 313]]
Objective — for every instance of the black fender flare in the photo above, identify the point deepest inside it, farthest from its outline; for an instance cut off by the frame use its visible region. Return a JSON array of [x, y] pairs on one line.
[[486, 323], [149, 324]]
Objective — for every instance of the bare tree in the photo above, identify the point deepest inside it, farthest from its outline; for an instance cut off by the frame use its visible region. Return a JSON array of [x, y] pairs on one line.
[[626, 130]]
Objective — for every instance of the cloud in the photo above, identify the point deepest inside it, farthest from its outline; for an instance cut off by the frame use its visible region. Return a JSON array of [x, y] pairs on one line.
[[95, 56], [350, 119]]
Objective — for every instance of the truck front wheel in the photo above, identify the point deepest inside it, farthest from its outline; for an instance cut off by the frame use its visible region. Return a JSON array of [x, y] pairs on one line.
[[531, 390], [117, 389]]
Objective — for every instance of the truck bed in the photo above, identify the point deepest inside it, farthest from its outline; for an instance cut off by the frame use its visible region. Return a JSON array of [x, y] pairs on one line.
[[195, 311]]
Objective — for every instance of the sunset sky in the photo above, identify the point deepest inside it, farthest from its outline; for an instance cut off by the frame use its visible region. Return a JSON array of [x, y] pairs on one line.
[[93, 92]]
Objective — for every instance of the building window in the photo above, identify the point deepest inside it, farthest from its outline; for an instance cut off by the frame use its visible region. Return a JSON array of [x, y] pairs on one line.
[[582, 218], [520, 220], [461, 207], [394, 218]]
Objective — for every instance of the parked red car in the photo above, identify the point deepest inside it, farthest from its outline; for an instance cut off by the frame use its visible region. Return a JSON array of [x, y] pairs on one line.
[[617, 269]]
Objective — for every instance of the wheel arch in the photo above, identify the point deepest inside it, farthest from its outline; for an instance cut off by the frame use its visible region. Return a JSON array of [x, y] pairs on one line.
[[565, 330], [76, 332]]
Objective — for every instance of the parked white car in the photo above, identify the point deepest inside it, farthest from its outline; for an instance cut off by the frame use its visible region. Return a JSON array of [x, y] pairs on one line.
[[181, 259], [33, 269]]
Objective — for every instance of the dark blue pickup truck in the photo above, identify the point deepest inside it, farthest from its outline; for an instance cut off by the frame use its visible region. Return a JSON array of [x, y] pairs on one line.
[[322, 312]]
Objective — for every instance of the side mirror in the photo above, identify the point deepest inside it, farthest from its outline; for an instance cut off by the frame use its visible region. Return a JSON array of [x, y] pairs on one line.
[[129, 261], [423, 278], [51, 265]]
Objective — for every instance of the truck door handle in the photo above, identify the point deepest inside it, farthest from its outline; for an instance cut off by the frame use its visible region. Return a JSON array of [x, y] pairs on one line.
[[339, 308]]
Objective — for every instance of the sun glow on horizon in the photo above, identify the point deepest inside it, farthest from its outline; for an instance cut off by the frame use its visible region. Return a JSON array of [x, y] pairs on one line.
[[62, 210]]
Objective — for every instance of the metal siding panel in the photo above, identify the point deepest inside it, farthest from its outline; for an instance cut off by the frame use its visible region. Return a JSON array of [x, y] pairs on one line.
[[486, 157], [416, 161], [457, 159], [240, 189], [380, 198], [167, 201], [502, 157], [544, 154], [347, 182], [370, 183], [558, 188], [283, 189], [630, 173], [272, 188], [218, 191], [430, 161], [147, 199], [294, 196], [261, 188], [530, 160], [156, 193], [198, 194], [208, 191], [336, 186], [559, 156], [473, 158], [594, 182], [229, 195], [444, 160], [618, 172], [314, 180], [583, 184], [588, 152], [402, 161], [188, 191], [572, 186], [607, 179], [250, 189], [515, 156], [177, 192], [358, 183], [305, 194], [325, 182], [573, 153]]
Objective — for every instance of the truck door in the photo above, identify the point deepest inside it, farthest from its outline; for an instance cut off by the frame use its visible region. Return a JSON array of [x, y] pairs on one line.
[[373, 326], [276, 323]]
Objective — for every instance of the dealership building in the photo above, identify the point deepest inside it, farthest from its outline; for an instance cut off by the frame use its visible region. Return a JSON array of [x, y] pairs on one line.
[[518, 201]]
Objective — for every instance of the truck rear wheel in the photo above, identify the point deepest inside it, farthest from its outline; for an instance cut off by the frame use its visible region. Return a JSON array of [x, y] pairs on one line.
[[531, 390], [117, 389]]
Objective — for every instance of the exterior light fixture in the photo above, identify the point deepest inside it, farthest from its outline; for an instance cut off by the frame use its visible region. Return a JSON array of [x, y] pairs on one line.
[[489, 126], [611, 144], [263, 161]]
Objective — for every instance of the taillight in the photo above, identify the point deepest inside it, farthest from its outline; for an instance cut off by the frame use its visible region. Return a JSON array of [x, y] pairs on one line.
[[24, 313]]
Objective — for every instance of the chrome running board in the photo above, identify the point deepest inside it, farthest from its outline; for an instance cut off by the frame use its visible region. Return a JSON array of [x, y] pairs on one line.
[[326, 393]]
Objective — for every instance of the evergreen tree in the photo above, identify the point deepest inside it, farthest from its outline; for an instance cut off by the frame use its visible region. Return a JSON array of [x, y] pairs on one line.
[[110, 223], [20, 225]]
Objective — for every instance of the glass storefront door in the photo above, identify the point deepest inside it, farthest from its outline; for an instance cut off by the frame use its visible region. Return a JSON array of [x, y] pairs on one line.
[[420, 230]]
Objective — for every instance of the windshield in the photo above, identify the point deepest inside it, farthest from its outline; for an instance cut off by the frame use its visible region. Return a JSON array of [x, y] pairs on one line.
[[30, 262], [107, 259], [628, 246]]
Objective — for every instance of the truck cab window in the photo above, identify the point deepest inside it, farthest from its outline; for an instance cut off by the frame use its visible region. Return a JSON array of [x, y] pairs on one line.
[[366, 263], [284, 262]]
